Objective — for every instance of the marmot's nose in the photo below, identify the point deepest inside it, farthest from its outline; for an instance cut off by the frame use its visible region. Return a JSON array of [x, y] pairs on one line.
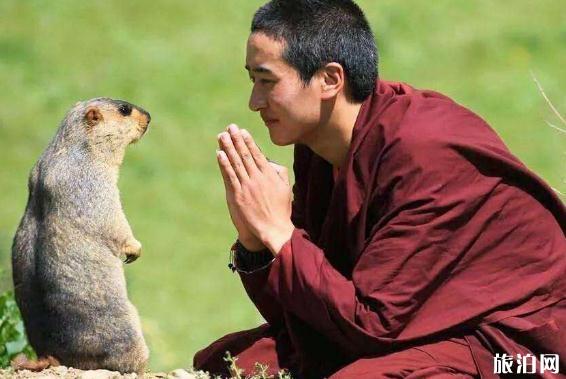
[[145, 113]]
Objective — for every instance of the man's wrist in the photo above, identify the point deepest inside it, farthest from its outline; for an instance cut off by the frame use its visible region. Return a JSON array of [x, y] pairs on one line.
[[251, 244], [248, 262], [275, 241]]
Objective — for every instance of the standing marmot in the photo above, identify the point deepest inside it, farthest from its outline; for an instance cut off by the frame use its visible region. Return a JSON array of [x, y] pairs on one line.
[[68, 250]]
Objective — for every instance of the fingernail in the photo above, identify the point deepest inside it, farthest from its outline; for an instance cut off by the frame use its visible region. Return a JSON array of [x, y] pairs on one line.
[[220, 154], [245, 133], [232, 128]]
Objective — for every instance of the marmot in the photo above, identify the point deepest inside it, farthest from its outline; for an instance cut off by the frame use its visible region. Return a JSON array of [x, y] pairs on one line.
[[68, 250]]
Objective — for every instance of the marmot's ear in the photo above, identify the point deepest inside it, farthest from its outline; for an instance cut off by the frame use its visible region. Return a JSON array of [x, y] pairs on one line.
[[93, 116]]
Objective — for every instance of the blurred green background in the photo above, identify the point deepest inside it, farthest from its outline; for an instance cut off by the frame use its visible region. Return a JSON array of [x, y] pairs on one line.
[[183, 61]]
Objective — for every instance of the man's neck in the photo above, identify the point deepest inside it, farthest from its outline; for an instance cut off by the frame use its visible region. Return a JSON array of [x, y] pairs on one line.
[[334, 136]]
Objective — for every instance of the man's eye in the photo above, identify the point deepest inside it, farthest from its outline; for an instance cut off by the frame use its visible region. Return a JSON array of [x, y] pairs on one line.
[[262, 81]]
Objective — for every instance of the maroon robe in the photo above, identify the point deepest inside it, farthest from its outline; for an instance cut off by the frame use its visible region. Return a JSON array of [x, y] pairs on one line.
[[433, 234]]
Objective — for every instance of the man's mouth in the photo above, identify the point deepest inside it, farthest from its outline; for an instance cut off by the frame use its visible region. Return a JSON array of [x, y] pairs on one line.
[[269, 122]]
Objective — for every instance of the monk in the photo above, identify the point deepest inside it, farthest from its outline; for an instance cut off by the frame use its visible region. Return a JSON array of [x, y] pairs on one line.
[[413, 243]]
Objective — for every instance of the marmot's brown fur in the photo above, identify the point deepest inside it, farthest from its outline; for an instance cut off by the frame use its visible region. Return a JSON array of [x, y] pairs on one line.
[[68, 250]]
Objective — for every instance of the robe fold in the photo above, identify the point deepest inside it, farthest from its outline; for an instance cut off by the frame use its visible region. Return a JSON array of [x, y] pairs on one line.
[[432, 230]]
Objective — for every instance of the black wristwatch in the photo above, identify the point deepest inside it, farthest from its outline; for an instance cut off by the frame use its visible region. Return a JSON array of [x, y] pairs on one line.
[[248, 262]]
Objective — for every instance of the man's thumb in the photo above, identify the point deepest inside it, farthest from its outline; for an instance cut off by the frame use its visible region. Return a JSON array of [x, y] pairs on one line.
[[281, 171]]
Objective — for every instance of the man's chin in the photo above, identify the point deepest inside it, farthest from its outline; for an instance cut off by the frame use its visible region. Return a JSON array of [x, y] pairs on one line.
[[282, 143], [280, 140]]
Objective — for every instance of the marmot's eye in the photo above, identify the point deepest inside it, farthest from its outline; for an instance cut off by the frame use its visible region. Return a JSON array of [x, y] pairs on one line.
[[125, 109]]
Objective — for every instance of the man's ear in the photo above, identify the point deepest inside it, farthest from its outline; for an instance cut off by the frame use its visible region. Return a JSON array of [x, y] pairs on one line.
[[93, 116], [333, 80]]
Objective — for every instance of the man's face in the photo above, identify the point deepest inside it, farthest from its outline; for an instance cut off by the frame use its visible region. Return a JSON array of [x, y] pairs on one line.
[[290, 109]]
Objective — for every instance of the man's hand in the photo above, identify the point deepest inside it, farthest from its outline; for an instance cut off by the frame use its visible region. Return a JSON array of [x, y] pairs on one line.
[[245, 236], [258, 192]]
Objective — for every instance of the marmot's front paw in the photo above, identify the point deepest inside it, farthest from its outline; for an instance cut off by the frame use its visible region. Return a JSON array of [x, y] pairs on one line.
[[132, 250]]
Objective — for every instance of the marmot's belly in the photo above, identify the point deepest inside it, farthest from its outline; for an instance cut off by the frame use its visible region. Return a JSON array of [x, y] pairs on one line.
[[83, 318], [87, 280]]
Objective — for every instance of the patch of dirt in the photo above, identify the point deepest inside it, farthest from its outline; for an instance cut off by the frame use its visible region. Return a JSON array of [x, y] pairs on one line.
[[62, 372]]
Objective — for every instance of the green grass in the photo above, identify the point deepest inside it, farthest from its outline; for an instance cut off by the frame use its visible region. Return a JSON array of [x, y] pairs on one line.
[[183, 61], [13, 340]]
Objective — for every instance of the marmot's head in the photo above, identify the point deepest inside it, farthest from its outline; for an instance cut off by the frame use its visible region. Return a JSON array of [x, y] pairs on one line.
[[106, 126]]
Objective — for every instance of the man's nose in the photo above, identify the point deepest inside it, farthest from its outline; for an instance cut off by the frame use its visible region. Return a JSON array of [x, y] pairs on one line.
[[257, 99]]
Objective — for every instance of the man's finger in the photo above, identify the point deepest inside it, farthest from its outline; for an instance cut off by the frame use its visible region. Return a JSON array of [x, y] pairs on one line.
[[231, 182], [259, 158], [242, 149], [226, 145]]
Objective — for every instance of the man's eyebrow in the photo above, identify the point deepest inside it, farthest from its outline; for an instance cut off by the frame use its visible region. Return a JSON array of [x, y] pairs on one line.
[[259, 69]]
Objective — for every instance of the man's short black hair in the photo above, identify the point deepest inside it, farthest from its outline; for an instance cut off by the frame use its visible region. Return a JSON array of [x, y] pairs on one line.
[[317, 32]]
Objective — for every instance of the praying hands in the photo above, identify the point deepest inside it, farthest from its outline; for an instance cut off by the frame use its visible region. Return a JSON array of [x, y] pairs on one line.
[[258, 193]]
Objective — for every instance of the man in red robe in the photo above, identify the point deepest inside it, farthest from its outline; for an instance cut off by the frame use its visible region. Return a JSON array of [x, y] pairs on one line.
[[416, 244]]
